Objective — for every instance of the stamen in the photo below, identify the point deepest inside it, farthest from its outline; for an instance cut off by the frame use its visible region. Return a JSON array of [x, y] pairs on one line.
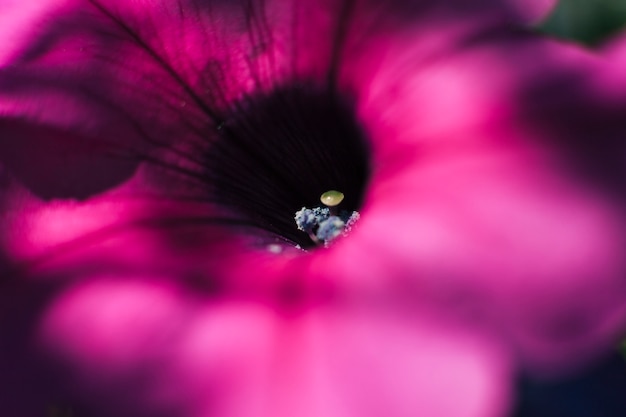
[[322, 224], [330, 228], [307, 219]]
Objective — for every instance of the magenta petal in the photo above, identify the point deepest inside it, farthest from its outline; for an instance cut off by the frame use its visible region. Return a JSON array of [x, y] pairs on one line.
[[241, 359], [122, 81], [499, 191], [63, 166], [64, 77], [493, 227], [81, 76]]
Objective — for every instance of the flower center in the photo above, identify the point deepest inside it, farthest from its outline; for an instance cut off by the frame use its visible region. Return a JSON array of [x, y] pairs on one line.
[[279, 152]]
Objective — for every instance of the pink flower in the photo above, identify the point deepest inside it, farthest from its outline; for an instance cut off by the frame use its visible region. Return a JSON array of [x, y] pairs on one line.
[[153, 156]]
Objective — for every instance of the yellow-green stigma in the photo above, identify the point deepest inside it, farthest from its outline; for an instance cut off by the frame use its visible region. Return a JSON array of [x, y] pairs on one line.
[[332, 198]]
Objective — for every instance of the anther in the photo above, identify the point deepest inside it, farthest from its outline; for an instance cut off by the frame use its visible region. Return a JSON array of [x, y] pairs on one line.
[[324, 224]]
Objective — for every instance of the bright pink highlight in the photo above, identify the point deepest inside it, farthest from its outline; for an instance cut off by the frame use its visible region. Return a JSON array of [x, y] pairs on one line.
[[241, 359]]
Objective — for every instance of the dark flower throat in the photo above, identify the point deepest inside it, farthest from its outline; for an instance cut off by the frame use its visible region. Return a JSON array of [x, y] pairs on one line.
[[279, 152]]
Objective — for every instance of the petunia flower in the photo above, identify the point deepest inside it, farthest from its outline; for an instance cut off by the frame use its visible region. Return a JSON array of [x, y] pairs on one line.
[[154, 155]]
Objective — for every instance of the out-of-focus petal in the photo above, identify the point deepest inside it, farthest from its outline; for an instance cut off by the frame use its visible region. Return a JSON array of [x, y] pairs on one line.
[[162, 351], [498, 191], [18, 20], [533, 10]]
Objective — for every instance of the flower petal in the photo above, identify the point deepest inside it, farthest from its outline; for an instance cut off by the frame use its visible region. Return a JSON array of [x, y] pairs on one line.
[[533, 10], [498, 191], [114, 77], [139, 344]]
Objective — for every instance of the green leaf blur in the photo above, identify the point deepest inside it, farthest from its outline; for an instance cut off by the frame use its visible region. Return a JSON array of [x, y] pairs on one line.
[[590, 22]]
